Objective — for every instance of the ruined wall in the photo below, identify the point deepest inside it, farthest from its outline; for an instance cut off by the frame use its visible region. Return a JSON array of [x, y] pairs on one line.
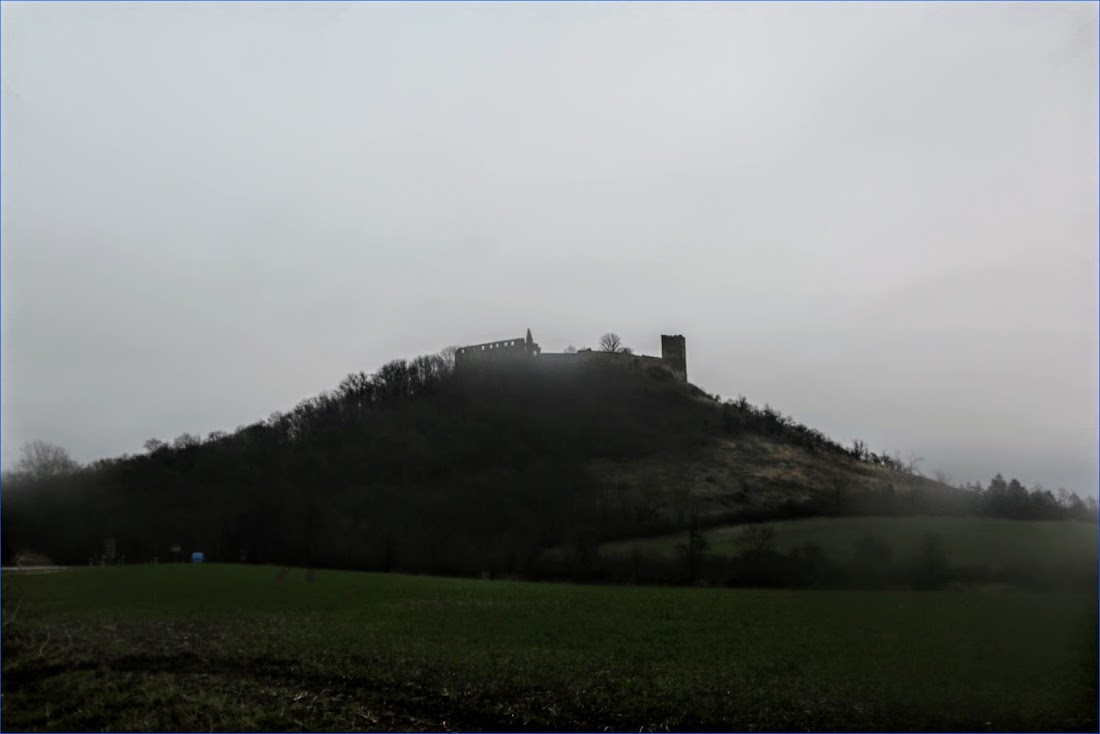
[[494, 352], [673, 356], [634, 362]]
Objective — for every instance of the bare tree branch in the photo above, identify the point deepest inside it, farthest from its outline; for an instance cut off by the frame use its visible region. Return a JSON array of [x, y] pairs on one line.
[[611, 342], [39, 460]]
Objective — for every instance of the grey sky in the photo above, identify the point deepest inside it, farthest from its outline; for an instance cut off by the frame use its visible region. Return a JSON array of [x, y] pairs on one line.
[[880, 218]]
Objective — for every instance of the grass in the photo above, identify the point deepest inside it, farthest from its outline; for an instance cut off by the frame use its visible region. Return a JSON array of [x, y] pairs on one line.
[[966, 540], [220, 647]]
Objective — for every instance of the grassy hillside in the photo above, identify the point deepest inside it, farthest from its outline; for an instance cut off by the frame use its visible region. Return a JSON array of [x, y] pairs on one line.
[[750, 475], [992, 542], [220, 647], [416, 468]]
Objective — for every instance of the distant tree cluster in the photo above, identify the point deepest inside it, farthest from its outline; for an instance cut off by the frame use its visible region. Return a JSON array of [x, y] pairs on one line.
[[1013, 501], [40, 461], [896, 463], [1000, 499], [870, 564]]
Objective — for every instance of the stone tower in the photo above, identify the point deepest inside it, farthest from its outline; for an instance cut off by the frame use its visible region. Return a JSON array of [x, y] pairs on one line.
[[674, 353]]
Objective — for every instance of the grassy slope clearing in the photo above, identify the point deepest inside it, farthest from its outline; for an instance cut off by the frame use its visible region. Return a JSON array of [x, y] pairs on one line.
[[234, 648], [966, 540]]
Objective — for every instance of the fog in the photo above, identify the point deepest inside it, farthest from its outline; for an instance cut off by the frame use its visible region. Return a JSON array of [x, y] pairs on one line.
[[880, 219]]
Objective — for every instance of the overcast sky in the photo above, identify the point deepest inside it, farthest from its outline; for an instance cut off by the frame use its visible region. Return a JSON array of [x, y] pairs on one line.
[[880, 219]]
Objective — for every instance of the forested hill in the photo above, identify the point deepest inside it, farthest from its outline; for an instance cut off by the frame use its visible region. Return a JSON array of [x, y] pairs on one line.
[[416, 468]]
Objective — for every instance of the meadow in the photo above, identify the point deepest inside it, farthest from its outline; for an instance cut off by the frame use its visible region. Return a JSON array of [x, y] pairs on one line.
[[985, 541], [246, 648]]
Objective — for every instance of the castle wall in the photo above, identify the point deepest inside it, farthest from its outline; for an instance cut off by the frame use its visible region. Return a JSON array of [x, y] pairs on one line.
[[491, 352], [560, 359], [496, 352], [673, 356], [674, 352], [635, 362]]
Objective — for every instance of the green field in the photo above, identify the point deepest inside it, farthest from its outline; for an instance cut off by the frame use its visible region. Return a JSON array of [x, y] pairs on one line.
[[220, 647], [966, 540]]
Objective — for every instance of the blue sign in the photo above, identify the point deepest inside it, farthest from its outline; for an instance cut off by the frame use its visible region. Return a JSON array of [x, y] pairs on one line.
[[197, 557]]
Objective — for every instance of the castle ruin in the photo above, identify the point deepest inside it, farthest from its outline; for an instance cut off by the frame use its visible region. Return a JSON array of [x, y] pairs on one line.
[[673, 359]]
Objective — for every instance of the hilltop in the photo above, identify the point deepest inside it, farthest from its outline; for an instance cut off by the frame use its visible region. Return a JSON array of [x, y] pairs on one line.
[[417, 468]]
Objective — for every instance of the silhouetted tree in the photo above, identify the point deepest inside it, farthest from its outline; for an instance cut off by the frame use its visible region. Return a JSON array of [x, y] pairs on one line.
[[611, 342], [186, 441], [695, 547], [39, 460], [839, 485], [755, 540], [447, 355]]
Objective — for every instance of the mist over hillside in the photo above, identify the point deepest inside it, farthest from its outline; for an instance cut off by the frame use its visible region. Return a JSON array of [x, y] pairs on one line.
[[419, 468]]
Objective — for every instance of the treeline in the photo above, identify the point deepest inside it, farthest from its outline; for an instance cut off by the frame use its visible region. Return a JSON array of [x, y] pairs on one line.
[[417, 468], [1000, 499], [411, 468], [871, 564], [742, 416], [1013, 501], [1004, 499]]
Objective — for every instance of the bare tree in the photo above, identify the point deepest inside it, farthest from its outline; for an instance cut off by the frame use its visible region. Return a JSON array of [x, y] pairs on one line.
[[755, 540], [695, 547], [40, 460], [570, 349], [912, 464], [611, 342], [447, 354], [839, 484], [190, 441]]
